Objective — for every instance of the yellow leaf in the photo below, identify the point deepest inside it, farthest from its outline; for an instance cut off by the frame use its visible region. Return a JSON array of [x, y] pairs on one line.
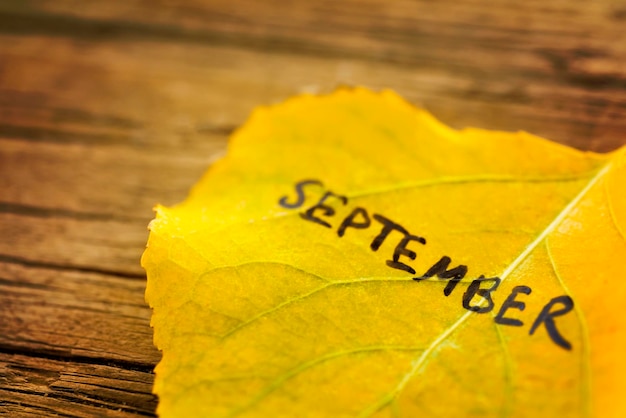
[[353, 257]]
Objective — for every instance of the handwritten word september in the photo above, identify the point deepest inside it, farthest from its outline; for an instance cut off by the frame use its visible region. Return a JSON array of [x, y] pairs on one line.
[[359, 218]]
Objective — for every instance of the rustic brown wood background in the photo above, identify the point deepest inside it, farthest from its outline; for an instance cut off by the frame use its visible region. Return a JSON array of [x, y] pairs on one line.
[[107, 108]]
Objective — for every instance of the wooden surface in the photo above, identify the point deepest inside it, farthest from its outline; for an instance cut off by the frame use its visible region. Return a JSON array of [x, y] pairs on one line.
[[107, 108]]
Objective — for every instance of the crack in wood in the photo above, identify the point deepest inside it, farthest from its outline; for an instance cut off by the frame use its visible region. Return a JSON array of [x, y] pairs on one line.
[[42, 212], [69, 358], [83, 269]]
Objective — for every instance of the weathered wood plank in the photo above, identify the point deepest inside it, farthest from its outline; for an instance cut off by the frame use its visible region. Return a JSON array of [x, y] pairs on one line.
[[564, 88], [35, 387], [100, 245], [75, 314], [356, 25], [93, 182]]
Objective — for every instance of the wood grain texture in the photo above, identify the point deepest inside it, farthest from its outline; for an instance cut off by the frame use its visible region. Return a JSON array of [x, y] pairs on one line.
[[107, 108]]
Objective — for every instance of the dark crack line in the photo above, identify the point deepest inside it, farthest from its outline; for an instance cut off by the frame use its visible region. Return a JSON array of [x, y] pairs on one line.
[[128, 365], [41, 212], [10, 259]]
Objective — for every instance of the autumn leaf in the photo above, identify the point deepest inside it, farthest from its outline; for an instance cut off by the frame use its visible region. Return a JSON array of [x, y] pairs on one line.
[[353, 257]]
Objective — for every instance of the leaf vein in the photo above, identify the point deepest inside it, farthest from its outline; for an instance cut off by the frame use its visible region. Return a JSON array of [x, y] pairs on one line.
[[612, 212], [309, 294], [464, 180], [278, 382], [586, 350]]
